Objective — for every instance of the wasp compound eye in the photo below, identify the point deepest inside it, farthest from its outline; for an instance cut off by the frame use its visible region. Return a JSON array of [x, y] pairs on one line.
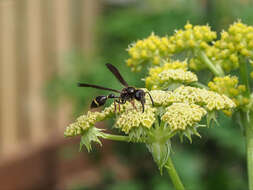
[[98, 101]]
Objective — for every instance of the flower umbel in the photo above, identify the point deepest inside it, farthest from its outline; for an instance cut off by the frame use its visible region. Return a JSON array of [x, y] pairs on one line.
[[208, 99], [152, 49], [157, 75], [190, 38], [236, 42], [179, 116], [133, 118], [229, 86]]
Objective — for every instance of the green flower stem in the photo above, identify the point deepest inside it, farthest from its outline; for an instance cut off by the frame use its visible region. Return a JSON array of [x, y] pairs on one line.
[[217, 72], [248, 125], [198, 84], [244, 76], [116, 137], [173, 175]]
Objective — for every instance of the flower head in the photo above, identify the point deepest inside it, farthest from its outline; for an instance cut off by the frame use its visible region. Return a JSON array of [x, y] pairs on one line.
[[84, 122], [210, 100], [152, 49], [229, 86], [190, 38], [179, 116], [235, 43], [134, 118], [161, 97], [161, 77], [167, 77]]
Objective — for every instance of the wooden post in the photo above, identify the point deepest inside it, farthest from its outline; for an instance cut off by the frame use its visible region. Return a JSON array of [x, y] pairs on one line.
[[90, 13], [8, 80], [63, 47], [35, 71]]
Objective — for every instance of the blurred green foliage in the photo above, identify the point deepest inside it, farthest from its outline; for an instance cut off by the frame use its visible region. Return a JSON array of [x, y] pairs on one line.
[[216, 161]]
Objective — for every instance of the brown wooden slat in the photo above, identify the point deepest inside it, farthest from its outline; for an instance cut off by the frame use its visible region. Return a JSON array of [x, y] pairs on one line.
[[49, 54], [8, 79], [1, 134], [90, 13], [63, 47], [37, 121], [22, 87]]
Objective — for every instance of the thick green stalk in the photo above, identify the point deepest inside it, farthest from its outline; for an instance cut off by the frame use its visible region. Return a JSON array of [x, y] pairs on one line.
[[249, 144], [116, 137], [248, 126], [173, 175], [198, 84], [247, 119], [244, 76], [217, 72]]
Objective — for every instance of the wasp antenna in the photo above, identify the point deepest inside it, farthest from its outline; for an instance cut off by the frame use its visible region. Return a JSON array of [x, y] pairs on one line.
[[143, 106], [97, 87], [150, 98]]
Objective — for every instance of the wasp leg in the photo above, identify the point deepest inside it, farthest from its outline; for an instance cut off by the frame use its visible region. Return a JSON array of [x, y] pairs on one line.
[[133, 104], [120, 101], [115, 108], [112, 96]]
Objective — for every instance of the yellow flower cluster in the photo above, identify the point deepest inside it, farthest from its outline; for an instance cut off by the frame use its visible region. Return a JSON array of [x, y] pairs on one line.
[[191, 37], [175, 76], [229, 86], [186, 94], [236, 42], [133, 118], [154, 72], [179, 116], [174, 71], [152, 49], [161, 98], [84, 122], [209, 99]]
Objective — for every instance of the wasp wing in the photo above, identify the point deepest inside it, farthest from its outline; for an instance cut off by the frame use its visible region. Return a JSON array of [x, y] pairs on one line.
[[117, 74]]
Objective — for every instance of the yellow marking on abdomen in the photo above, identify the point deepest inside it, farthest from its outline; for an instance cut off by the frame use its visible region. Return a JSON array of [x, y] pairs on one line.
[[96, 102]]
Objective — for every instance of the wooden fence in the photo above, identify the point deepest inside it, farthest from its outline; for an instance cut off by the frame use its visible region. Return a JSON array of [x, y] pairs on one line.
[[35, 35]]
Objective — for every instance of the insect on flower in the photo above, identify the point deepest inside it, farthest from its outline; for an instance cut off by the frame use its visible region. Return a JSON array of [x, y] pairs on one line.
[[128, 93]]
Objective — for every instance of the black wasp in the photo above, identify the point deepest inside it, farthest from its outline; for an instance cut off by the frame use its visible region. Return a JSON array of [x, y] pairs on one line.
[[128, 93]]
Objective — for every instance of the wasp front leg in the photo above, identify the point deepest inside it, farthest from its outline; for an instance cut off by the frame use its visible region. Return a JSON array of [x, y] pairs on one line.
[[133, 104], [120, 101]]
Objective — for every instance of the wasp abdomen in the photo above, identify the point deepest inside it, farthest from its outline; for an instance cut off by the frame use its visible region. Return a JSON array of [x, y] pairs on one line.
[[98, 101]]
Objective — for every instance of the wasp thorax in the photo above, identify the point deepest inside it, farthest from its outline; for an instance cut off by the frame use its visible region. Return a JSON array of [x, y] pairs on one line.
[[130, 90]]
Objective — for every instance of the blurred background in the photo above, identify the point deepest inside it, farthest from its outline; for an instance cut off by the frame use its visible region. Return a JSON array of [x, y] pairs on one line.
[[47, 46]]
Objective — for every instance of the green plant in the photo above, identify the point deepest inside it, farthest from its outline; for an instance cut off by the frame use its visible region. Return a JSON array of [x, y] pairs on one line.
[[181, 101]]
